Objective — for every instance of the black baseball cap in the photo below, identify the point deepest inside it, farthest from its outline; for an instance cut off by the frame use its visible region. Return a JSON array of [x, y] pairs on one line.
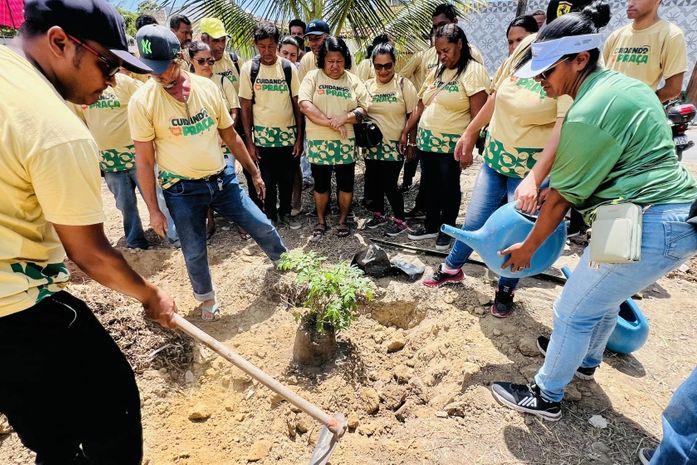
[[157, 46], [86, 20], [317, 27]]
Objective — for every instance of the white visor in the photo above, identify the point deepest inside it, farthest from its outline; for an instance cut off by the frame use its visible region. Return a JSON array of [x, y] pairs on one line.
[[546, 53]]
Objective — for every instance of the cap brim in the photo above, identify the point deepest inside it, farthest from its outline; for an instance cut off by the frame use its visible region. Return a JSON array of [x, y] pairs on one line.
[[132, 63], [315, 33], [218, 36], [157, 66], [534, 67]]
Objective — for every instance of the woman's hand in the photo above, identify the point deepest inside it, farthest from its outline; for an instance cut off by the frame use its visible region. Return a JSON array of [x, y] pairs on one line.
[[519, 257], [402, 145], [526, 194], [338, 121], [463, 149]]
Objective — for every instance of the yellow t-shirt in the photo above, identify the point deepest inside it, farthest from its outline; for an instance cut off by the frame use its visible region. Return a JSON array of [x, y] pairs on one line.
[[425, 61], [185, 134], [365, 69], [523, 119], [388, 106], [649, 55], [49, 173], [226, 67], [274, 120], [107, 120], [447, 106], [228, 90], [309, 63], [333, 97]]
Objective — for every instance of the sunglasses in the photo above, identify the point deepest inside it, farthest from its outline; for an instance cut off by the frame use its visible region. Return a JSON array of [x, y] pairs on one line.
[[203, 61], [109, 68], [386, 66], [544, 75]]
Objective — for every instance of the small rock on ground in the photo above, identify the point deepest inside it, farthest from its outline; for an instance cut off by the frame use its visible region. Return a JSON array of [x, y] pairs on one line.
[[371, 400], [598, 421], [396, 342], [200, 412], [259, 450], [352, 421], [528, 346]]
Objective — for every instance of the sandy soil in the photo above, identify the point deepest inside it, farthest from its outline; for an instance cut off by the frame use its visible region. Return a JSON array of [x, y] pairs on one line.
[[427, 403]]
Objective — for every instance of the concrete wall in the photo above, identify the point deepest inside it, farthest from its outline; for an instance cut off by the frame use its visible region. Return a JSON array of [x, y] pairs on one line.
[[487, 28]]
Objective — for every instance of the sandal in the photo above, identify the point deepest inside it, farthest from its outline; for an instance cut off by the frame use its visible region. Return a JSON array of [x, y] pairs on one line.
[[209, 312], [342, 230], [319, 229], [244, 235]]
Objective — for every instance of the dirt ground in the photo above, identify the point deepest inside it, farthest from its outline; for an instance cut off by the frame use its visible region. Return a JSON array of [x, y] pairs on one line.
[[427, 403]]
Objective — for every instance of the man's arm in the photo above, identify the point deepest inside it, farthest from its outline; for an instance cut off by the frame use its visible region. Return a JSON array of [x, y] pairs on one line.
[[145, 172], [247, 122], [89, 248], [239, 151], [671, 89], [300, 128]]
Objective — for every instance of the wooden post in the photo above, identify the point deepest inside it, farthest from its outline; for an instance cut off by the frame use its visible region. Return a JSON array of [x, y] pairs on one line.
[[522, 6], [692, 87]]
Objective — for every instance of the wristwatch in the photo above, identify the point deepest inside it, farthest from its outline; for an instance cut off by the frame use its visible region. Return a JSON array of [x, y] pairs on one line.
[[358, 114]]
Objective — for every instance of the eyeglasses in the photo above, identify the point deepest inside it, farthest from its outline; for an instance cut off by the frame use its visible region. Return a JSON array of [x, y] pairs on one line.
[[109, 68], [386, 66], [544, 75], [203, 61]]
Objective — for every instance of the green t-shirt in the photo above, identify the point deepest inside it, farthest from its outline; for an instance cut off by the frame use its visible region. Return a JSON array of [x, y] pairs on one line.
[[615, 144]]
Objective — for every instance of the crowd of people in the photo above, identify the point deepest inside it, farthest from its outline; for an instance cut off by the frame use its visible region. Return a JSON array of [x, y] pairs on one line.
[[566, 124]]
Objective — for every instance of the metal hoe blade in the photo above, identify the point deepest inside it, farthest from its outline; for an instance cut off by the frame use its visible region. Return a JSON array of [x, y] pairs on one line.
[[327, 442]]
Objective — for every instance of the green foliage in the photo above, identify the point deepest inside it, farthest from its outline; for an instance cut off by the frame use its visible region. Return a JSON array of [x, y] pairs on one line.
[[333, 293], [148, 6], [129, 18], [7, 32]]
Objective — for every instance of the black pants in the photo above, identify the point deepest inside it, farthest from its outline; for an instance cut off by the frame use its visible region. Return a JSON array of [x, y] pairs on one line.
[[440, 175], [66, 388], [410, 169], [278, 167], [381, 180]]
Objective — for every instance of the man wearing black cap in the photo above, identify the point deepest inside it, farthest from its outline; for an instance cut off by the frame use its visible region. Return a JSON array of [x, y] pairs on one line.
[[66, 388], [315, 34], [175, 120]]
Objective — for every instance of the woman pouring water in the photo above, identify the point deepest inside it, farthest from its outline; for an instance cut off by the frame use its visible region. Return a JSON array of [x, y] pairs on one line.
[[614, 148]]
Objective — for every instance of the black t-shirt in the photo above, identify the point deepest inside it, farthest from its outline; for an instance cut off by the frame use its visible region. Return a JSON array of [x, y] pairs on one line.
[[558, 8]]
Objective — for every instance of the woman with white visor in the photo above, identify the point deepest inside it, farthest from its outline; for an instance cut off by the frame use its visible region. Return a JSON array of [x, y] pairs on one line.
[[614, 148]]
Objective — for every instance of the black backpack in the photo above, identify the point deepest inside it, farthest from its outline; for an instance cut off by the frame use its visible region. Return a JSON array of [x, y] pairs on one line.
[[287, 73]]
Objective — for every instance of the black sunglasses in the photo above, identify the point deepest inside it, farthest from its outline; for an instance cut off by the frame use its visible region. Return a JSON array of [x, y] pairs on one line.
[[109, 68], [386, 66], [544, 75], [203, 61]]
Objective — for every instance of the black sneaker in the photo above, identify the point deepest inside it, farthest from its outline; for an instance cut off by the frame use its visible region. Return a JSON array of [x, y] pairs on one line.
[[581, 372], [441, 278], [420, 234], [415, 214], [645, 455], [503, 303], [378, 219], [527, 399], [396, 227], [443, 242]]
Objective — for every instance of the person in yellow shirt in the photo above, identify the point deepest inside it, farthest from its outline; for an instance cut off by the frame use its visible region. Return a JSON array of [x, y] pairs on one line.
[[392, 99], [175, 120], [649, 49], [67, 390], [524, 127], [107, 120], [272, 121], [333, 100], [227, 64], [451, 96]]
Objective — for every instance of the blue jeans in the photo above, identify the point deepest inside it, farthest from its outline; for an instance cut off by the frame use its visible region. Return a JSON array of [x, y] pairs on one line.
[[491, 190], [123, 185], [189, 201], [585, 313], [679, 444]]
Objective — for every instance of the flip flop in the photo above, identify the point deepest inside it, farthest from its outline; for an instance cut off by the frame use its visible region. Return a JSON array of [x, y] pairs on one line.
[[244, 235], [209, 313], [319, 229], [342, 230]]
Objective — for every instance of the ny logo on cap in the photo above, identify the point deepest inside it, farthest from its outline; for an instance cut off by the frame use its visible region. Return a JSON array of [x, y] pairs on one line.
[[146, 46]]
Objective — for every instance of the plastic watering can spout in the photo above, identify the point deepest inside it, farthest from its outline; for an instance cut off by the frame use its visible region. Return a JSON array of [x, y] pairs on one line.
[[505, 227]]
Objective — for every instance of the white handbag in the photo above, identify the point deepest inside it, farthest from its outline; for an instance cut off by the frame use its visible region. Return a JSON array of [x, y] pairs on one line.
[[616, 233]]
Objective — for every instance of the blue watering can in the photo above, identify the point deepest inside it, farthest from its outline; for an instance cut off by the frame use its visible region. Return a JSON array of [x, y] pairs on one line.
[[505, 227], [632, 329]]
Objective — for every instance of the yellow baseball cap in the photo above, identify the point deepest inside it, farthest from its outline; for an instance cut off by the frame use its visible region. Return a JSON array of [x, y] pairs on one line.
[[213, 27]]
